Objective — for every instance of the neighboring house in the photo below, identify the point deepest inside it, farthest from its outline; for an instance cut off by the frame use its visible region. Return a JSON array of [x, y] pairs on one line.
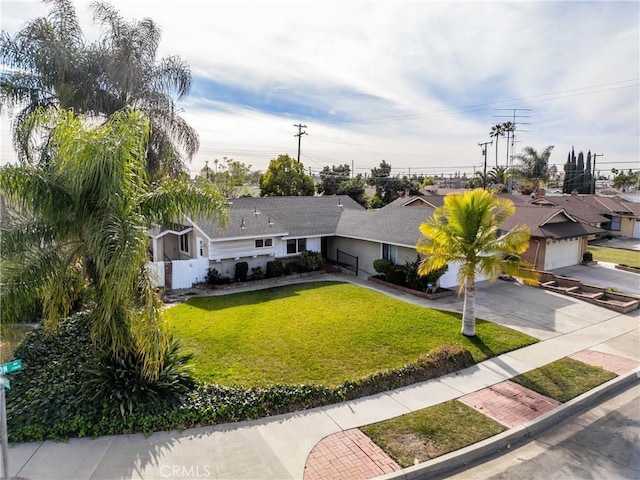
[[623, 216], [262, 229], [557, 239], [576, 207]]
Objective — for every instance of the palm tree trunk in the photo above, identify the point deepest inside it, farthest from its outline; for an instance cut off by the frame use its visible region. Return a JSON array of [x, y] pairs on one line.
[[469, 309]]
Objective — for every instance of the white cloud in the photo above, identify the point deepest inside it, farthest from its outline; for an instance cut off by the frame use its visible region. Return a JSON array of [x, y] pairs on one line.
[[420, 79]]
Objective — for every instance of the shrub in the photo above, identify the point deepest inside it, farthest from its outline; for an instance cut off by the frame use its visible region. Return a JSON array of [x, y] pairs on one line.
[[383, 267], [397, 276], [311, 260], [587, 256], [296, 267], [213, 277], [257, 273], [117, 385], [274, 269], [242, 269]]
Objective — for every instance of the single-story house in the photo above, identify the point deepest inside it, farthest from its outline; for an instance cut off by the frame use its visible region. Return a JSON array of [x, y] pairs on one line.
[[262, 229]]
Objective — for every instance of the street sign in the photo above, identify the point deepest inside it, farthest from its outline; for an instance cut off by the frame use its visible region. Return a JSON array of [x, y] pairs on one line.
[[5, 383], [10, 367]]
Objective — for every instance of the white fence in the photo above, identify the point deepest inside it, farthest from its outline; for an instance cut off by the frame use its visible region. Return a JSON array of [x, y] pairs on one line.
[[184, 272]]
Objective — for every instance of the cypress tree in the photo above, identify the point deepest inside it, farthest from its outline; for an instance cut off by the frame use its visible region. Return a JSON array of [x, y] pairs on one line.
[[588, 177], [566, 183], [579, 173]]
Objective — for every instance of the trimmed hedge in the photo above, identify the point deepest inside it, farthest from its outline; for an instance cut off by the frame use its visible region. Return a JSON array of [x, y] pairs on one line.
[[45, 401]]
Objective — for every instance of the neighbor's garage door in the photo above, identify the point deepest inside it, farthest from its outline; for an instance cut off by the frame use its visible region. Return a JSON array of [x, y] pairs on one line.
[[562, 253], [636, 228]]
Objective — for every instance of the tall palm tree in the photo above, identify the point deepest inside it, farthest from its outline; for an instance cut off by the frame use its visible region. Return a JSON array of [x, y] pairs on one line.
[[466, 231], [79, 227], [508, 128], [496, 132], [49, 64], [534, 166]]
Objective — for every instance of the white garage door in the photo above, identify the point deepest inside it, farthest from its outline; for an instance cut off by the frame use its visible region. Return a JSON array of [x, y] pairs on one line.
[[562, 253], [636, 228]]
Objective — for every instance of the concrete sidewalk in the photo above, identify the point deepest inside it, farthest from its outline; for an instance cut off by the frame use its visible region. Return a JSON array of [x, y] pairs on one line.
[[278, 447]]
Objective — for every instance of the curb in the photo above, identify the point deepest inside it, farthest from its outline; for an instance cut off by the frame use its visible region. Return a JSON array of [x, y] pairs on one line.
[[506, 440]]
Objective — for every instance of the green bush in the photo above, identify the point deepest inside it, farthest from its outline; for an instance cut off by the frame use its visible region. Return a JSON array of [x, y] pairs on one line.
[[587, 256], [397, 276], [213, 276], [383, 267], [117, 385], [274, 269], [257, 273], [242, 269], [311, 260]]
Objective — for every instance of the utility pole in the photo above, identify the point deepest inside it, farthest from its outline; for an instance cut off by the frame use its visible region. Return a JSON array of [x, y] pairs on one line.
[[299, 135], [593, 176], [484, 152]]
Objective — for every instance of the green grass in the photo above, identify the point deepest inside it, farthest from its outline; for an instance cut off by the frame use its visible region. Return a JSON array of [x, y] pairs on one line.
[[564, 379], [318, 333], [431, 432], [615, 255], [443, 428]]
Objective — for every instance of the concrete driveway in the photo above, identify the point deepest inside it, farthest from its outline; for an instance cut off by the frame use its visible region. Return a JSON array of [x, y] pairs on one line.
[[626, 243], [603, 275]]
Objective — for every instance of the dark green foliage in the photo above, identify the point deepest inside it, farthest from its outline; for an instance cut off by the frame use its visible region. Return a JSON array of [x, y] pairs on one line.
[[417, 282], [397, 276], [56, 395], [257, 273], [383, 267], [274, 269], [587, 257], [311, 260], [117, 385], [242, 269], [213, 276]]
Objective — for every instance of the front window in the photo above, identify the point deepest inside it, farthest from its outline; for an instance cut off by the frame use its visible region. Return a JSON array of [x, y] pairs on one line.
[[184, 243], [263, 242], [296, 245], [390, 252]]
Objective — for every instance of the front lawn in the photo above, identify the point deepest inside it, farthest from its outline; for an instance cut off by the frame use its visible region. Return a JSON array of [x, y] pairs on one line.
[[319, 333], [615, 255]]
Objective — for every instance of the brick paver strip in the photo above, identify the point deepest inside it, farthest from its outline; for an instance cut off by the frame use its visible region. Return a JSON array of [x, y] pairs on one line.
[[509, 403], [348, 455], [608, 361]]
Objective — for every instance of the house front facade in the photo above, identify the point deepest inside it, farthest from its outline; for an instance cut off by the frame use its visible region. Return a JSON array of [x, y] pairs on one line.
[[259, 230]]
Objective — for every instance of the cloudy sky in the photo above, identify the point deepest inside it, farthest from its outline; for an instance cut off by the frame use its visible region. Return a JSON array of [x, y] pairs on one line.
[[418, 84]]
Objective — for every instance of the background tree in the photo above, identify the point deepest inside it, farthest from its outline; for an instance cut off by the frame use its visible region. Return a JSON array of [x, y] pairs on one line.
[[622, 181], [496, 132], [332, 178], [285, 177], [49, 64], [79, 230], [229, 177], [354, 188], [509, 128], [534, 166], [466, 231]]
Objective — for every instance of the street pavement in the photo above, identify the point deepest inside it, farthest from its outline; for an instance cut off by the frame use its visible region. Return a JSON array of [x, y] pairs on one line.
[[278, 447]]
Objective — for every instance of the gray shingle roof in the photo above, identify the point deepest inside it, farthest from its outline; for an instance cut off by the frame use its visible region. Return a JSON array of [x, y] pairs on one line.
[[539, 219], [391, 224], [578, 208], [292, 216]]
